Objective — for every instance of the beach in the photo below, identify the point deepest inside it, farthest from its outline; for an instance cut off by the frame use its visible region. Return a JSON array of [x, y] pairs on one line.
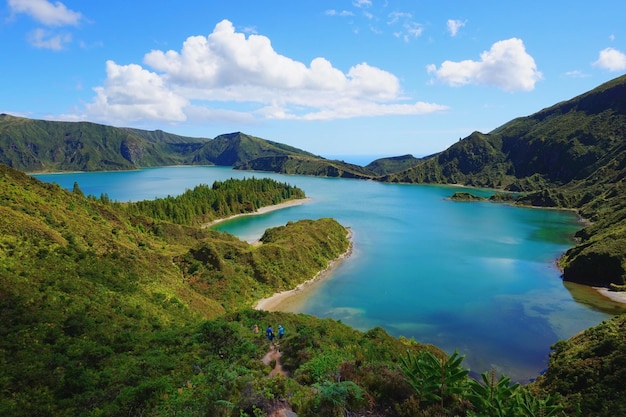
[[617, 296], [281, 299], [262, 210]]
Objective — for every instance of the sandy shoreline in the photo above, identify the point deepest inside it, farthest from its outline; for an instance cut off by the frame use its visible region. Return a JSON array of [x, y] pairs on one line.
[[617, 296], [274, 302], [262, 210]]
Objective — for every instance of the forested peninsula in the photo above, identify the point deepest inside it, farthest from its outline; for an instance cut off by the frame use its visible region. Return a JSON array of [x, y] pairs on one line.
[[112, 309]]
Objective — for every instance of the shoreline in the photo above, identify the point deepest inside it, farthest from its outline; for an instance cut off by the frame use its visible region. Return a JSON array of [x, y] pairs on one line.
[[616, 296], [274, 302], [261, 210]]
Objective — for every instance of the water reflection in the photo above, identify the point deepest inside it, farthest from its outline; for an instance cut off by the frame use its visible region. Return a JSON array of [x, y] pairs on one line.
[[593, 298]]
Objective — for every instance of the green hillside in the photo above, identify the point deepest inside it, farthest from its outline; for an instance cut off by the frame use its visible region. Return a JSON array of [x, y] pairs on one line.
[[384, 166], [303, 165], [40, 145], [235, 148]]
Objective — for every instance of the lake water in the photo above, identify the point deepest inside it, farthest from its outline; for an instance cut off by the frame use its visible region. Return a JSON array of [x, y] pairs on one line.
[[477, 277]]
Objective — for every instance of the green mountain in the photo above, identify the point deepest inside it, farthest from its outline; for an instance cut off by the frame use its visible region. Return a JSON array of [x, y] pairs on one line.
[[567, 142], [303, 165], [384, 166], [40, 145], [237, 148]]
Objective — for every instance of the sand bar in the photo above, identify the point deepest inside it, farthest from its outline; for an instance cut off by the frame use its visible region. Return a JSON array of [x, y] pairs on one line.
[[274, 302], [261, 210]]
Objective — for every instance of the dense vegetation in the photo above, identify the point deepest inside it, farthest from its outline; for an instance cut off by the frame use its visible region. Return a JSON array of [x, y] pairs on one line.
[[385, 166], [589, 371], [42, 145], [303, 165], [204, 204]]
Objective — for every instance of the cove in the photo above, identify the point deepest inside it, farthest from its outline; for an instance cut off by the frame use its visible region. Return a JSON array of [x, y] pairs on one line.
[[475, 277]]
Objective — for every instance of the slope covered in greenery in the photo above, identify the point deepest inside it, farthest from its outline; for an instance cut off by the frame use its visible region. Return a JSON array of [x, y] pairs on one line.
[[302, 165], [390, 165], [588, 371], [42, 145]]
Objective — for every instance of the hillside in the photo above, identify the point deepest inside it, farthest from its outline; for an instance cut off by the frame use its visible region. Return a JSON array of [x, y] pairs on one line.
[[302, 165], [384, 166], [42, 146]]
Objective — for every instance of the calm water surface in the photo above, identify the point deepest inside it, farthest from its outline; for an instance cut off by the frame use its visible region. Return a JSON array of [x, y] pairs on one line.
[[476, 277]]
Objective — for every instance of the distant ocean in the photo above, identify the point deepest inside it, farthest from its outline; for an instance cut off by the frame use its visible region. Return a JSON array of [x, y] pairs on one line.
[[361, 160]]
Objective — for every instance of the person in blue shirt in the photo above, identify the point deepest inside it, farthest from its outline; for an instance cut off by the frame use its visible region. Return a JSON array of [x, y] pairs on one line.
[[281, 331], [269, 333]]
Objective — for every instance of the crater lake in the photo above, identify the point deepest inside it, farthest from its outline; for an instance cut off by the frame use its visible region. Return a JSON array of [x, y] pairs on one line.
[[477, 277]]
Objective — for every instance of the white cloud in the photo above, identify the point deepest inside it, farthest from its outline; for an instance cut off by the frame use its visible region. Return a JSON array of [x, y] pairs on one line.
[[43, 39], [342, 13], [132, 93], [409, 28], [506, 66], [611, 59], [576, 74], [394, 17], [454, 26], [44, 12], [362, 3], [226, 69]]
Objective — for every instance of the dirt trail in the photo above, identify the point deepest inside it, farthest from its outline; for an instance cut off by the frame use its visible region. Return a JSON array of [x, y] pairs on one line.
[[274, 355]]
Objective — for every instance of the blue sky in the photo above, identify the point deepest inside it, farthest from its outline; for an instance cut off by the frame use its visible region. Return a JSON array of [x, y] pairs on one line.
[[361, 77]]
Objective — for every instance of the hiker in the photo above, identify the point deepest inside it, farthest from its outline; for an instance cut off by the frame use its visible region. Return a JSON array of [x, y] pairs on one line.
[[255, 329], [281, 331], [270, 333]]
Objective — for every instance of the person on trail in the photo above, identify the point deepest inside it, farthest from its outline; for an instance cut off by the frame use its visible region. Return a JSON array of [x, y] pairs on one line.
[[281, 331], [255, 329], [269, 333]]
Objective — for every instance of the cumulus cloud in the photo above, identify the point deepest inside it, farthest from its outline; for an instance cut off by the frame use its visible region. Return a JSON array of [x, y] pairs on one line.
[[454, 26], [225, 69], [611, 59], [132, 93], [506, 66], [46, 13]]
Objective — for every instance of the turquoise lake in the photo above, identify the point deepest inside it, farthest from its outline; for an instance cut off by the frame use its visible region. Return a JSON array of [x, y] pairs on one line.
[[477, 277]]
